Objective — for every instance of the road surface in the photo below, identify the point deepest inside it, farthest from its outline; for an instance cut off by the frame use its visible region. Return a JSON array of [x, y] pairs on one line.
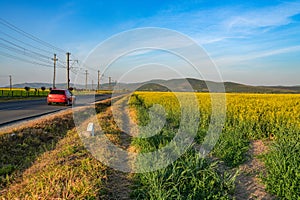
[[15, 111]]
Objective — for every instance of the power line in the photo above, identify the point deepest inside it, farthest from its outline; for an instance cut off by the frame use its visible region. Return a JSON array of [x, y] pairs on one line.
[[20, 47], [30, 53], [22, 59], [37, 48], [28, 35], [24, 49], [24, 53]]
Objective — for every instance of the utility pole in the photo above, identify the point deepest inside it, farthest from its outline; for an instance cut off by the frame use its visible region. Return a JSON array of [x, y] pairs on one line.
[[10, 83], [92, 85], [54, 70], [109, 83], [86, 79], [98, 87], [68, 70]]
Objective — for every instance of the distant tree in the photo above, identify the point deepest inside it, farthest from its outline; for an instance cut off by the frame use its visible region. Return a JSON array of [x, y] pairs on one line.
[[27, 88], [71, 89], [43, 88]]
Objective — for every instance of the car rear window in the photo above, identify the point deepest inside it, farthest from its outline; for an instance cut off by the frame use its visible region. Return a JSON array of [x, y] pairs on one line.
[[57, 92]]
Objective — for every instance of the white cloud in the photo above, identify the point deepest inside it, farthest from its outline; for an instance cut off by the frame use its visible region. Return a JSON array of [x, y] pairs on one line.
[[217, 24], [265, 17], [235, 60]]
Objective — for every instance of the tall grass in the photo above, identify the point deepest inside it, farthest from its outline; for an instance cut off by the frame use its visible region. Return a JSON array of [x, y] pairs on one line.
[[189, 177], [283, 165]]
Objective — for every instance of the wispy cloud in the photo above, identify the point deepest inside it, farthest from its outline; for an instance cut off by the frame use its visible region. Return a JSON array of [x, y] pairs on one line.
[[218, 24], [262, 18], [236, 60]]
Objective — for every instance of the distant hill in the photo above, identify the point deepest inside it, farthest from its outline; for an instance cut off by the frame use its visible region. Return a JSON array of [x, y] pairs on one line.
[[183, 85], [153, 87], [291, 89], [189, 84]]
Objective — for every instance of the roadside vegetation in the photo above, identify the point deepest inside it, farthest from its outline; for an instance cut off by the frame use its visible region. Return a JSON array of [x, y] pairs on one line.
[[67, 172], [49, 161], [21, 147]]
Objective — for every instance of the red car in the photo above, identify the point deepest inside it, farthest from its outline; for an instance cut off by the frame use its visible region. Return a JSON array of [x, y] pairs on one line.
[[60, 96]]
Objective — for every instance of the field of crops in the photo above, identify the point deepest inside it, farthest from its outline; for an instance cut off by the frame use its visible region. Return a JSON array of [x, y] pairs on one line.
[[21, 92], [274, 119]]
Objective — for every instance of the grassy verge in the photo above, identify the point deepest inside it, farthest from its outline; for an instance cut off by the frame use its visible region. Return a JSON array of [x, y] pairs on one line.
[[49, 161], [19, 148], [67, 172]]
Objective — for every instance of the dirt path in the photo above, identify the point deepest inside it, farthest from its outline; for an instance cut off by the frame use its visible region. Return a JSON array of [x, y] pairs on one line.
[[118, 183], [249, 185]]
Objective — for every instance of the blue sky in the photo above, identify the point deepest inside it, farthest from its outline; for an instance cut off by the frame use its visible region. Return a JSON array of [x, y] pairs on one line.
[[254, 42]]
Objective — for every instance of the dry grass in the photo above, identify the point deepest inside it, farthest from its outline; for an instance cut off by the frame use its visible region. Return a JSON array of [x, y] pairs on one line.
[[62, 169], [67, 172]]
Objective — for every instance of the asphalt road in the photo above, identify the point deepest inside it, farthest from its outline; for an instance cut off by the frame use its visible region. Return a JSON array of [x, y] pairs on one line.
[[15, 111]]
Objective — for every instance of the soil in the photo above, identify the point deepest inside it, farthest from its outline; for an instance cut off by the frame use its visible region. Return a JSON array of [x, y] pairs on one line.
[[248, 183]]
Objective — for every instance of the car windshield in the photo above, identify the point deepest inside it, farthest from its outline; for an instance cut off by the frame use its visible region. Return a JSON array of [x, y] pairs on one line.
[[57, 92]]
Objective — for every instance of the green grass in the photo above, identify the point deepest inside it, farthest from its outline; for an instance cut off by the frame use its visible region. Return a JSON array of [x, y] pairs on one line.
[[189, 177], [283, 166], [232, 147]]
